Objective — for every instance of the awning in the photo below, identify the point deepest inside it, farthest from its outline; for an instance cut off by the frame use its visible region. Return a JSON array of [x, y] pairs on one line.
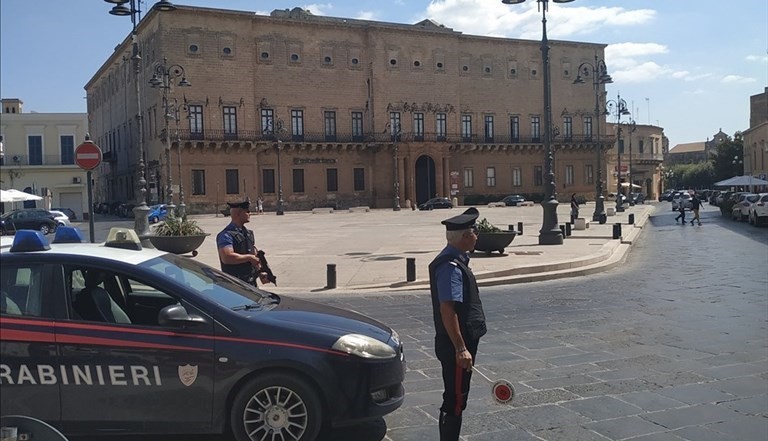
[[740, 181], [17, 196], [626, 184]]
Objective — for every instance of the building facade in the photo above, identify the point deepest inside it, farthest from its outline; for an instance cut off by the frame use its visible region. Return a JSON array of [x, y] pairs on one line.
[[340, 112], [38, 157], [638, 158], [756, 137]]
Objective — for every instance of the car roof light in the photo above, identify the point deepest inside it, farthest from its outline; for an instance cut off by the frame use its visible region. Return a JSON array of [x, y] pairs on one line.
[[29, 240], [68, 235], [123, 238]]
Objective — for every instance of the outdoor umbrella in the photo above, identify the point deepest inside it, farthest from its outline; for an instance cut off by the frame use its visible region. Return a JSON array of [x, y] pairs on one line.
[[20, 196], [741, 181]]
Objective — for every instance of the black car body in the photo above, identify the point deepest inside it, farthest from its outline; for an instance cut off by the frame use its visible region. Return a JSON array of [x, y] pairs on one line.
[[637, 198], [29, 219], [512, 200], [436, 203], [165, 344]]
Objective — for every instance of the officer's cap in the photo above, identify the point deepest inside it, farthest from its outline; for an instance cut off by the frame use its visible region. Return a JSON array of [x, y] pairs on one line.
[[243, 204], [463, 221]]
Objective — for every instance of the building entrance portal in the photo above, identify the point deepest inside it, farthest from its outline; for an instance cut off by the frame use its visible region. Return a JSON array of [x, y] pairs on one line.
[[425, 179]]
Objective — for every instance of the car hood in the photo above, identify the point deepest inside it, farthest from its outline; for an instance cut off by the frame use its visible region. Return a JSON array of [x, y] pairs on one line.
[[295, 313]]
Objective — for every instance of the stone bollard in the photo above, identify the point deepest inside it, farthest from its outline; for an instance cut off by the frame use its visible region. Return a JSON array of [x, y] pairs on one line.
[[617, 230], [330, 276], [520, 228], [410, 269], [631, 219], [568, 229]]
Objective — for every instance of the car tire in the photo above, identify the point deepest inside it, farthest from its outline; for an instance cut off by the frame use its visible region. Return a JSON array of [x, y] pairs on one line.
[[276, 406], [45, 229]]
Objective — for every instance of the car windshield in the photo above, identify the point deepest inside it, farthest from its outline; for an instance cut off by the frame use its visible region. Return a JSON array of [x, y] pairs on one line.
[[209, 282]]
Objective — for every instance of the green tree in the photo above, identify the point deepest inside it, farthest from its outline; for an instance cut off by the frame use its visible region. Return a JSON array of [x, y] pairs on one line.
[[723, 159]]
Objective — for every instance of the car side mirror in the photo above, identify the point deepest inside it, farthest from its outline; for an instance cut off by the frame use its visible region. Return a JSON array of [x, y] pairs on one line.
[[177, 315]]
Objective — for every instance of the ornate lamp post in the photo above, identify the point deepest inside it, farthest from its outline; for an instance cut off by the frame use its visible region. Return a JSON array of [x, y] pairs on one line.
[[182, 206], [599, 74], [737, 165], [396, 131], [164, 78], [279, 130], [619, 107], [631, 127], [550, 233], [140, 211]]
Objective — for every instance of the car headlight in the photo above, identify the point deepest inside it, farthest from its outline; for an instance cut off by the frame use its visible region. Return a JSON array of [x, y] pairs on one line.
[[364, 347]]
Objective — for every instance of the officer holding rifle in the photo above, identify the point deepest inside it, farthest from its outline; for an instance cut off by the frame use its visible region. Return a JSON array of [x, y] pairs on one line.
[[237, 250]]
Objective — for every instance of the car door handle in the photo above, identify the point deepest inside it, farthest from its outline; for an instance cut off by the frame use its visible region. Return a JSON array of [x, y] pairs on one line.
[[86, 350]]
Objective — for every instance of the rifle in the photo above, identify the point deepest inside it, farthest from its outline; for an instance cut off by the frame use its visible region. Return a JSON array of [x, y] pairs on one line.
[[265, 267]]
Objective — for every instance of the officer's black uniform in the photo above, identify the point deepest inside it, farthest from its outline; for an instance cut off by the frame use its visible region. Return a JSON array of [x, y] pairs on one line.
[[471, 323], [242, 243]]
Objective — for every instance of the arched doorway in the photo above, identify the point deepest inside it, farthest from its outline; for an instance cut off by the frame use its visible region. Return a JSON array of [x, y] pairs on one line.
[[425, 179], [649, 188]]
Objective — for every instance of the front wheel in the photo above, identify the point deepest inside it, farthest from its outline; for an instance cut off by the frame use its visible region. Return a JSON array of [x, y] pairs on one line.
[[276, 406], [45, 229]]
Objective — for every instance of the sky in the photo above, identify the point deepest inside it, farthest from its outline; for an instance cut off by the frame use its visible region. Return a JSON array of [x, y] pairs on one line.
[[688, 66]]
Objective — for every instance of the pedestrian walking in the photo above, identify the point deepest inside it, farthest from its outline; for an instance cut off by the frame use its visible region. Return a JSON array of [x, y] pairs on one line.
[[681, 207], [236, 246], [574, 208], [458, 316], [259, 205], [695, 206]]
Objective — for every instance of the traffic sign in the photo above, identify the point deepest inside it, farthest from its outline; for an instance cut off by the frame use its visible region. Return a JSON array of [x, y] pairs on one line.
[[88, 155]]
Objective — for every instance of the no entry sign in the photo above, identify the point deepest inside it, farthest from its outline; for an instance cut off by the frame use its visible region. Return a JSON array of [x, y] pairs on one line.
[[88, 155]]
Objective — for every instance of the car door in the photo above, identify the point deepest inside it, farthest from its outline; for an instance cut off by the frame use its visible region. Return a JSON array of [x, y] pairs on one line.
[[29, 365], [134, 374]]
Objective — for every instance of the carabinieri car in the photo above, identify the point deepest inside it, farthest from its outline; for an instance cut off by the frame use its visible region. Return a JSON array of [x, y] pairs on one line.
[[112, 338]]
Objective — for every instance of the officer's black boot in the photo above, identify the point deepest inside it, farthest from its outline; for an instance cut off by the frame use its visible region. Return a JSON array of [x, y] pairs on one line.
[[450, 427]]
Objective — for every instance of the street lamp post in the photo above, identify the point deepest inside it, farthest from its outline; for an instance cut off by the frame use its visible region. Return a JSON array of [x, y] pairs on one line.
[[396, 132], [550, 233], [631, 127], [182, 205], [599, 73], [620, 108], [279, 129], [164, 77], [140, 211], [737, 163]]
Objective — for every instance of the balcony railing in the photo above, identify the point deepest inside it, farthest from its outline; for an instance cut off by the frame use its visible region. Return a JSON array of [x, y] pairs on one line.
[[11, 160], [322, 137]]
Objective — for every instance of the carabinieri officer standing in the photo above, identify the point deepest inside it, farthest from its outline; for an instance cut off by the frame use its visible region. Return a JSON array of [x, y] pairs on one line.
[[459, 318], [235, 243]]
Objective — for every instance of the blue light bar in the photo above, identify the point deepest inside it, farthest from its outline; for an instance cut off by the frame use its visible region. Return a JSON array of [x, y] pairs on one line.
[[68, 235], [29, 240]]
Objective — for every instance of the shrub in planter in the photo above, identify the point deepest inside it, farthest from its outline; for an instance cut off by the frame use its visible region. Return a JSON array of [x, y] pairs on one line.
[[726, 207], [178, 235], [492, 238]]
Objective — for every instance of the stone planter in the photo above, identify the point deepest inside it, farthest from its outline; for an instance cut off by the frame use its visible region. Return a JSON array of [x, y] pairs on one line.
[[489, 242], [178, 244]]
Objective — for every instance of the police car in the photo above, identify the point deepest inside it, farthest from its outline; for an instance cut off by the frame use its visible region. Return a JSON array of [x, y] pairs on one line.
[[113, 338]]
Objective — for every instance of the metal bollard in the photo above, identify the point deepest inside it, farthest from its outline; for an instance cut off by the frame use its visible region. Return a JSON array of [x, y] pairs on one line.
[[603, 218], [330, 276], [631, 219], [617, 231], [568, 229], [562, 230], [520, 228], [511, 227], [410, 269]]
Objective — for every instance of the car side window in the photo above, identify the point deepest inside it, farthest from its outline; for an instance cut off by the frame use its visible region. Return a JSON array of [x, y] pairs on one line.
[[105, 296], [21, 290]]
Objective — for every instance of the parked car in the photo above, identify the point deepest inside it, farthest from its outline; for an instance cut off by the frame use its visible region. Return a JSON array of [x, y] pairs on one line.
[[436, 203], [681, 197], [513, 200], [70, 213], [743, 205], [667, 195], [637, 198], [758, 212], [713, 197], [61, 219], [157, 213], [27, 219], [724, 195]]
